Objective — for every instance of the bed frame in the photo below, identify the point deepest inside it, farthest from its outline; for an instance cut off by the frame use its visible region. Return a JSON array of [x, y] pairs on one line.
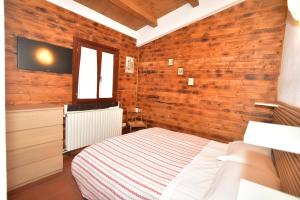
[[287, 164]]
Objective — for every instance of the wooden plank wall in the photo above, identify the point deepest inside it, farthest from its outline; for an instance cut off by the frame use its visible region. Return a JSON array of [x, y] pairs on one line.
[[43, 21], [288, 164], [234, 57]]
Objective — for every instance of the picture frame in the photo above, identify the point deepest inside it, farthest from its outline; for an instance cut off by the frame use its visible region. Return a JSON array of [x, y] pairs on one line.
[[171, 62], [129, 65]]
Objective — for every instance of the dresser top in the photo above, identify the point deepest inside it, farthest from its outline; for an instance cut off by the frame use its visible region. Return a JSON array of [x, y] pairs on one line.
[[25, 108]]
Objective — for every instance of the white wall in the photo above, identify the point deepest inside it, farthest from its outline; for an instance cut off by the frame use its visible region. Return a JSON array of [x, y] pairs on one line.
[[2, 109], [84, 11], [289, 79]]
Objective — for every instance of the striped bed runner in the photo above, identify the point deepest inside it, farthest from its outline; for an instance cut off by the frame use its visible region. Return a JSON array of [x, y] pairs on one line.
[[139, 165]]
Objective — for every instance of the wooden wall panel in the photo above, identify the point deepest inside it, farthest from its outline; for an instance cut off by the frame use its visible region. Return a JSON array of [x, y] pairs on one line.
[[43, 21], [234, 57], [288, 164]]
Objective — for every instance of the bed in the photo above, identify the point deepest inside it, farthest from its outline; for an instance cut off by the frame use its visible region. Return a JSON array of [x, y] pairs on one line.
[[156, 163]]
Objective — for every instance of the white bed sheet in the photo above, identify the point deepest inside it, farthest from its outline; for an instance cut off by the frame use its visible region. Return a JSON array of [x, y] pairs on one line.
[[196, 178], [151, 164]]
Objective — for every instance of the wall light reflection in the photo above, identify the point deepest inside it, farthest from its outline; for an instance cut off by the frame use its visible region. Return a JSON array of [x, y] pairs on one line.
[[44, 56]]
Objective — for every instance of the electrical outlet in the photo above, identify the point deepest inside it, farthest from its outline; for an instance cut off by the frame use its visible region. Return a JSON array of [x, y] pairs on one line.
[[180, 71]]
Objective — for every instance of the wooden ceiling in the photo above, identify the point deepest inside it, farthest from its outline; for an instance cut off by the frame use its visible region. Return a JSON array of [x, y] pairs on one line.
[[135, 14]]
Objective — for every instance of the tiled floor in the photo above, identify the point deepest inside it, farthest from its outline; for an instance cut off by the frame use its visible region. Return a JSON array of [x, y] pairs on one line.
[[61, 186]]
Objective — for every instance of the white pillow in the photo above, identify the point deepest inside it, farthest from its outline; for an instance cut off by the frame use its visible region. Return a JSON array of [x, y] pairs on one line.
[[258, 157], [253, 159], [226, 182], [241, 148]]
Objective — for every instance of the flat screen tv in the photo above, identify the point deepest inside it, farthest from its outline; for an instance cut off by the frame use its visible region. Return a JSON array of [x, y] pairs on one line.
[[41, 56]]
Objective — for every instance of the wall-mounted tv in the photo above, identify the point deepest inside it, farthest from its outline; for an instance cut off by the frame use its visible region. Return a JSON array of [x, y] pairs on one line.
[[41, 56]]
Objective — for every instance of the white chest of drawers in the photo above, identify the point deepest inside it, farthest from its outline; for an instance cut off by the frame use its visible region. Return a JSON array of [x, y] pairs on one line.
[[34, 143]]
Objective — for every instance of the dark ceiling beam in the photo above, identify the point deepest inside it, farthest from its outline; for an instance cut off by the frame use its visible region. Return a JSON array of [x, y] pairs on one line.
[[133, 8], [193, 3]]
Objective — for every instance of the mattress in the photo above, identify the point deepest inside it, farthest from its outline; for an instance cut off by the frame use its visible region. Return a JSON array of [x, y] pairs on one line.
[[153, 163]]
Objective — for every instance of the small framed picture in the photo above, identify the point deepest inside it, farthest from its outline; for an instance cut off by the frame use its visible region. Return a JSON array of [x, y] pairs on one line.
[[191, 81], [180, 71], [129, 65], [171, 61]]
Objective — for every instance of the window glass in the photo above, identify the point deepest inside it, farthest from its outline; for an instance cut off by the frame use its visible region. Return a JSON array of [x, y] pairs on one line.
[[107, 75], [87, 80], [95, 72]]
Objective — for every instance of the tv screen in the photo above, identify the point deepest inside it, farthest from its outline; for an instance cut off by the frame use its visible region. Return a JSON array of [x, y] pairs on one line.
[[41, 56]]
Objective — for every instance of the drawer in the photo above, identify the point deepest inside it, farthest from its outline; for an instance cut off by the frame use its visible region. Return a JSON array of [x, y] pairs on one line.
[[16, 121], [26, 138], [32, 154], [34, 171]]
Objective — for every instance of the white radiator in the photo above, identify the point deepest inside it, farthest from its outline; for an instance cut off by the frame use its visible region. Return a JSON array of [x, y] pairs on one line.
[[87, 127]]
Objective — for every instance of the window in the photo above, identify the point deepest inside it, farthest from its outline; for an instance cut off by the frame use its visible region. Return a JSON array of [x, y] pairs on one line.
[[94, 72]]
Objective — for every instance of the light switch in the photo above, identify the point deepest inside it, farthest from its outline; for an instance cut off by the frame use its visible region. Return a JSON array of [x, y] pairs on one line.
[[191, 81], [171, 62]]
